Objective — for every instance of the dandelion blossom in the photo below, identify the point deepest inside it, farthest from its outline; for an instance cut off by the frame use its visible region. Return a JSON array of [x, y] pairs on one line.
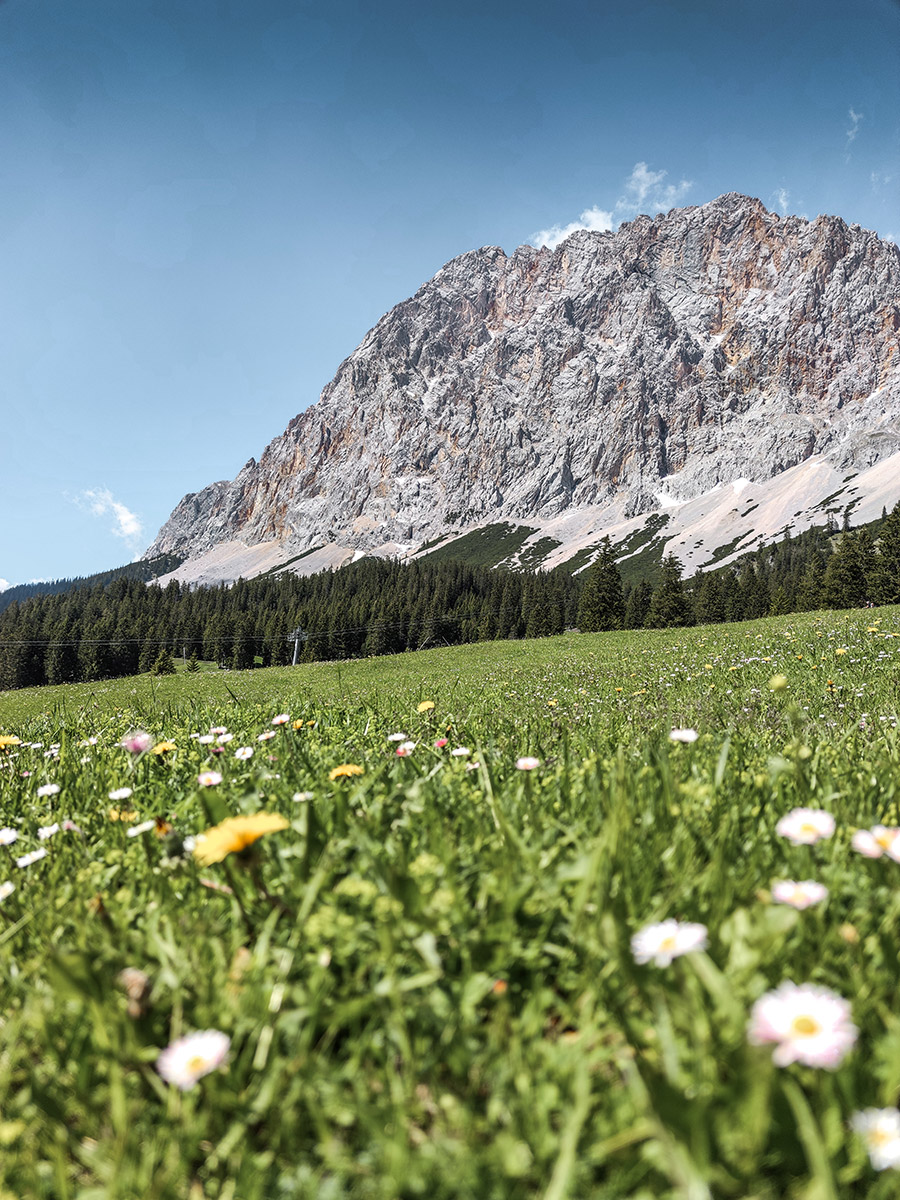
[[670, 939], [804, 826], [798, 895], [425, 706], [807, 1024], [879, 1129], [9, 739], [234, 835], [163, 747], [121, 814], [344, 771], [193, 1056]]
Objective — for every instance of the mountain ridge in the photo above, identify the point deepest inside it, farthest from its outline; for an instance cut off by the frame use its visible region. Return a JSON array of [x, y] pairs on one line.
[[613, 376]]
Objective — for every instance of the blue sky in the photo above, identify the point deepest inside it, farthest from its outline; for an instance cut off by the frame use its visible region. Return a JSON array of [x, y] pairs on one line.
[[204, 205]]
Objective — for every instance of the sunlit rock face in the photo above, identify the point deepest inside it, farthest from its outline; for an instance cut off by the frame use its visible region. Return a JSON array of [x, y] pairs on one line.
[[706, 345]]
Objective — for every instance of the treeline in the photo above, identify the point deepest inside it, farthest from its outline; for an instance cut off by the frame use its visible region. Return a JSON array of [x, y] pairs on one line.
[[372, 607], [377, 606], [145, 569]]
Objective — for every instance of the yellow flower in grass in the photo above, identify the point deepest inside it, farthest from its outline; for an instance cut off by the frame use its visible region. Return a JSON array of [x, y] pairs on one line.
[[163, 747], [344, 771], [9, 739], [234, 835], [122, 814], [425, 706]]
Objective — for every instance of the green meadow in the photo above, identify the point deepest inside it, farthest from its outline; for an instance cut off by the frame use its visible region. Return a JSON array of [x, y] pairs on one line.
[[419, 969]]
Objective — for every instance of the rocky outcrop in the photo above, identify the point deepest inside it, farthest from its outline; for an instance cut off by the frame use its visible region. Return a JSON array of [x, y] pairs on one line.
[[707, 345]]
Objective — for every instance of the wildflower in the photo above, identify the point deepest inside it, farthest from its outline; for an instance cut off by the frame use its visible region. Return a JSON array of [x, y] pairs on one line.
[[804, 826], [121, 793], [683, 735], [879, 1128], [205, 739], [28, 859], [526, 763], [225, 738], [234, 835], [405, 749], [425, 706], [798, 895], [266, 736], [302, 797], [9, 739], [163, 747], [809, 1024], [281, 719], [344, 771], [440, 743], [778, 683], [49, 789], [298, 724], [875, 842], [137, 830], [218, 730], [136, 742], [8, 836], [47, 831], [121, 814], [193, 1056], [70, 826], [209, 778], [243, 753], [670, 939], [6, 890], [461, 752], [396, 737]]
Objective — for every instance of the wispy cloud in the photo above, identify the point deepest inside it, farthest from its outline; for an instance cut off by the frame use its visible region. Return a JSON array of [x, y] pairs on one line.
[[781, 199], [855, 119], [125, 524], [643, 191], [4, 584]]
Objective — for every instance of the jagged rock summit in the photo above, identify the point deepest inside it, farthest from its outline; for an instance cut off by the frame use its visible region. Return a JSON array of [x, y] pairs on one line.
[[679, 367]]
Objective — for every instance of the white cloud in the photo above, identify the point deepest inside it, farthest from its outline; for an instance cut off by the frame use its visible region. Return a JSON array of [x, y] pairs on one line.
[[782, 201], [643, 191], [591, 218], [101, 502], [4, 584], [855, 119]]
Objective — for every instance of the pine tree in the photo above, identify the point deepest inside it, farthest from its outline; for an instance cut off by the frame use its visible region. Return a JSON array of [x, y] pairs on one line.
[[193, 663], [602, 604], [163, 664]]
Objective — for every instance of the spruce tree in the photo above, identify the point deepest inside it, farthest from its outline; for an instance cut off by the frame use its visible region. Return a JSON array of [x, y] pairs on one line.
[[670, 606], [602, 604]]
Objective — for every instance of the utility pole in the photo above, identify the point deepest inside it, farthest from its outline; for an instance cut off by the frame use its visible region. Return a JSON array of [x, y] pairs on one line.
[[297, 636]]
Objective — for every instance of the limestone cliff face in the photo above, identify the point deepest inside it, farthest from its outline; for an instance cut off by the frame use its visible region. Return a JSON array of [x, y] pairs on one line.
[[707, 345]]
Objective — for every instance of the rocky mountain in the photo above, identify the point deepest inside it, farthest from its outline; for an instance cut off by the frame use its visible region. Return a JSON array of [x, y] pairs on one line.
[[656, 380]]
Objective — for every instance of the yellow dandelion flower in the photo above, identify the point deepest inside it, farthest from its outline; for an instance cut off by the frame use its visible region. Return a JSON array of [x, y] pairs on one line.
[[425, 706], [344, 771], [9, 739], [297, 724], [163, 747], [122, 814], [841, 650], [235, 834]]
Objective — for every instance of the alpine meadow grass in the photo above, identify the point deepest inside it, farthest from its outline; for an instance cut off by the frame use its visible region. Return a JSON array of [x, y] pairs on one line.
[[611, 915]]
